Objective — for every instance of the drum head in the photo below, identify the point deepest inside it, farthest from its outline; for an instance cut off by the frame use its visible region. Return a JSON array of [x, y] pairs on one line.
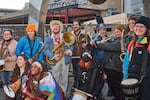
[[129, 81], [9, 91], [79, 96]]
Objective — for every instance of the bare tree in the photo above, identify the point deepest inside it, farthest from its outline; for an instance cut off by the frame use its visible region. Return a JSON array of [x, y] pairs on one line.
[[146, 7]]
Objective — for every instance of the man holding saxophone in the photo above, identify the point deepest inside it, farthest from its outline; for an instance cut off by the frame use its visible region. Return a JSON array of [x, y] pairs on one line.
[[58, 53], [7, 56]]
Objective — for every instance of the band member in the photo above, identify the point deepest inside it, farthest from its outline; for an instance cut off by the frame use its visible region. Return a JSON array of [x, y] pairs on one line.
[[7, 56], [61, 67], [136, 63], [30, 44], [101, 35], [130, 28], [42, 85], [78, 33], [113, 64], [90, 74], [22, 69]]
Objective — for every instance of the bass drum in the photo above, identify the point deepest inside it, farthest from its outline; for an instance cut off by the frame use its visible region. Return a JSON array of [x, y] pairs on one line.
[[130, 87]]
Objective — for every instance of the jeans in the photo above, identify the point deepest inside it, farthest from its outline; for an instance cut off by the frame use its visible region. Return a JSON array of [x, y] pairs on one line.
[[5, 77], [75, 71]]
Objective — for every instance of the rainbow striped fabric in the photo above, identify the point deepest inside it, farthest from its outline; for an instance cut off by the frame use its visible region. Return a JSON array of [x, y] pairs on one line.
[[49, 83]]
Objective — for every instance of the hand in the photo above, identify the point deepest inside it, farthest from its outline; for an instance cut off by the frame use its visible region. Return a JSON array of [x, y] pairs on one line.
[[67, 52], [6, 59], [103, 41], [93, 43], [56, 57], [30, 61], [24, 89]]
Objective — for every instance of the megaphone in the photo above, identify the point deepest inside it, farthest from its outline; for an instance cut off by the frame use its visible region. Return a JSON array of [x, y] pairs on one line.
[[11, 89]]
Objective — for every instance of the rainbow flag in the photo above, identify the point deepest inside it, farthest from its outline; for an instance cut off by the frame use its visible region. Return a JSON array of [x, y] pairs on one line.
[[49, 83]]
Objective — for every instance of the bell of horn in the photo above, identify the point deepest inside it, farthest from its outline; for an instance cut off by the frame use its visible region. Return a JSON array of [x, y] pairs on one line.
[[97, 1]]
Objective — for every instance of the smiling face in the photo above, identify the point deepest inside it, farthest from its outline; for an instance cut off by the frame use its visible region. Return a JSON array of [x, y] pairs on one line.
[[7, 35], [56, 29], [76, 26], [140, 29], [102, 32], [131, 24], [36, 68], [21, 61], [31, 34]]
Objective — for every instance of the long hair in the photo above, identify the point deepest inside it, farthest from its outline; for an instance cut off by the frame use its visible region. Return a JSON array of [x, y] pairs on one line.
[[135, 37], [16, 72]]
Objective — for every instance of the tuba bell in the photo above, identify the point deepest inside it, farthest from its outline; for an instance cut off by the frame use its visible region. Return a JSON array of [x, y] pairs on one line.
[[67, 39], [97, 1]]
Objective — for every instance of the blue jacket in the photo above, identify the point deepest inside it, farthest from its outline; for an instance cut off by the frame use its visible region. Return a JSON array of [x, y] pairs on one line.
[[49, 46], [24, 47]]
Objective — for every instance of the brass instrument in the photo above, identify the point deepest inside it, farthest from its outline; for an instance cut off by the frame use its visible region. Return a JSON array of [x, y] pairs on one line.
[[112, 36], [97, 1], [123, 46], [68, 39], [3, 54]]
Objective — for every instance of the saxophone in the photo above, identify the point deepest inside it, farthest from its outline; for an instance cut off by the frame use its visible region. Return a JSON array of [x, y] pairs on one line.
[[38, 52], [123, 46]]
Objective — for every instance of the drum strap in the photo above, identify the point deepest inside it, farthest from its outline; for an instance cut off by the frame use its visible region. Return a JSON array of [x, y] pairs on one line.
[[144, 64]]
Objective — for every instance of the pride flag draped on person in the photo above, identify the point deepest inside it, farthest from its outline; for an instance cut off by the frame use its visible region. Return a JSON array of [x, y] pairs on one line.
[[49, 84]]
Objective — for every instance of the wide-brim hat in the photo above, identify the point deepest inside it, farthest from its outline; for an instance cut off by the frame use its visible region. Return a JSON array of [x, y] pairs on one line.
[[56, 22]]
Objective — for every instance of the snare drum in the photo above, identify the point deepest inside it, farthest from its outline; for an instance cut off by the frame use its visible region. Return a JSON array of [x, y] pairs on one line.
[[130, 87]]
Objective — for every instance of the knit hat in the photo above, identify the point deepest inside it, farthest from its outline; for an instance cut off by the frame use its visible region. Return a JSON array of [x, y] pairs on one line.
[[144, 20], [31, 27]]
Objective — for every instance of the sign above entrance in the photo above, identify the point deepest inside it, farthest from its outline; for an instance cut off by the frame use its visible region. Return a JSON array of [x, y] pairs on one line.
[[65, 3]]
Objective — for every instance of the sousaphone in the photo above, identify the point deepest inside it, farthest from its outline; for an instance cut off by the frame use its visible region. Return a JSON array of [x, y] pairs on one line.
[[97, 1]]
